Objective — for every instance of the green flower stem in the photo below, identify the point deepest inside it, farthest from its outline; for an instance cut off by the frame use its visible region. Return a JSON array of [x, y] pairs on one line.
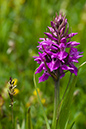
[[12, 115], [45, 117], [59, 106], [56, 103], [82, 65]]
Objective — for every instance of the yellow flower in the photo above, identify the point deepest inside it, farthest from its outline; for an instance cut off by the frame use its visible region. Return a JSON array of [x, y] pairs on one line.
[[43, 101], [14, 81], [16, 91], [35, 93]]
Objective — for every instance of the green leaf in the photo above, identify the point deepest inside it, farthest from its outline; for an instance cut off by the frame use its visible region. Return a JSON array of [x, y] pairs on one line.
[[17, 125], [29, 122], [23, 125], [72, 125], [64, 113], [0, 126]]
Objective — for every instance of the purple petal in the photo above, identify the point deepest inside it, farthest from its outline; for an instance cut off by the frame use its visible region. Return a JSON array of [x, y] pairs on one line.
[[63, 40], [62, 46], [41, 55], [72, 43], [50, 36], [75, 69], [44, 77], [65, 67], [80, 52], [37, 58], [51, 29], [62, 74], [56, 64], [50, 65], [52, 24], [54, 55], [73, 51], [48, 43], [40, 68], [71, 35], [79, 56], [74, 60], [42, 39], [62, 55]]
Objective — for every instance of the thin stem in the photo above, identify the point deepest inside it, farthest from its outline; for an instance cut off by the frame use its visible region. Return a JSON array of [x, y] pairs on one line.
[[45, 117], [12, 117], [82, 65], [56, 103]]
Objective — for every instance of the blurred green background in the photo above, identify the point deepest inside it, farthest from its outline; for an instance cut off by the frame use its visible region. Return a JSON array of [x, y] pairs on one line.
[[23, 22]]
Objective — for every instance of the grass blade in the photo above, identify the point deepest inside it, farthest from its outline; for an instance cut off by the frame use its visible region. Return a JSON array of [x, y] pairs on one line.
[[63, 117], [44, 114], [23, 125], [29, 122]]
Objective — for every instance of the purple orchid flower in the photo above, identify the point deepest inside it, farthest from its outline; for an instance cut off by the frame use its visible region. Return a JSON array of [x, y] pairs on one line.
[[58, 53]]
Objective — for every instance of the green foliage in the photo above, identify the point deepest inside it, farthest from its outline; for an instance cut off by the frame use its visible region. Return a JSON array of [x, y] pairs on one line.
[[29, 122], [64, 113], [23, 22]]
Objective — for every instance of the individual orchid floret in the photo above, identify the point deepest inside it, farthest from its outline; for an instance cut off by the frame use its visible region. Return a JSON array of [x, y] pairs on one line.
[[58, 54]]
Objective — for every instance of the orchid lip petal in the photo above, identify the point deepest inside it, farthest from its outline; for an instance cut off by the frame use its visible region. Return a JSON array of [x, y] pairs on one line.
[[43, 77]]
